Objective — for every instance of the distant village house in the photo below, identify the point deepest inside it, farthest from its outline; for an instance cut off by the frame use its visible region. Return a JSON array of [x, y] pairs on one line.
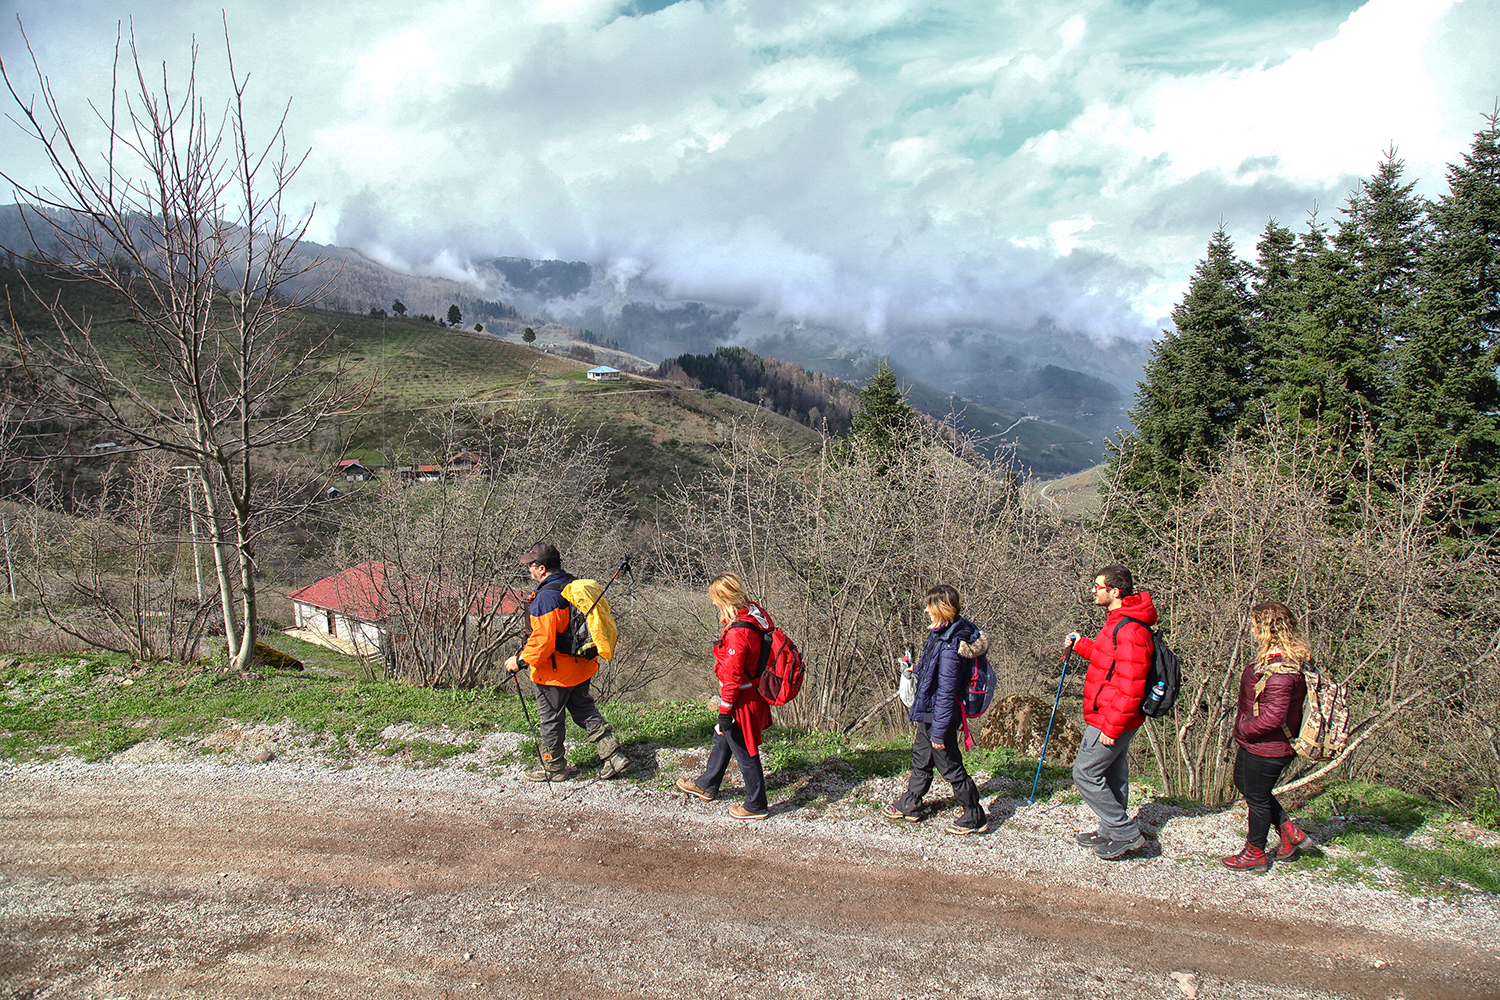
[[604, 373]]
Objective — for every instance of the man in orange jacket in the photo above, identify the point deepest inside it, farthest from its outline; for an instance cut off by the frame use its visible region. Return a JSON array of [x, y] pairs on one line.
[[561, 679]]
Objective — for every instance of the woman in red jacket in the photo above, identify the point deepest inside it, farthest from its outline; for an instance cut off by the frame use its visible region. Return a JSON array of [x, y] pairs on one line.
[[743, 713], [1272, 692]]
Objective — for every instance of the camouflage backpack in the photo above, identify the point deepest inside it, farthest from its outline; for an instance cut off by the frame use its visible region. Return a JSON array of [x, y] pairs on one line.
[[1325, 718]]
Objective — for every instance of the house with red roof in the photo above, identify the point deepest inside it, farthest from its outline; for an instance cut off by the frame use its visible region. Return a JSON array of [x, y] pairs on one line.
[[350, 607], [353, 470]]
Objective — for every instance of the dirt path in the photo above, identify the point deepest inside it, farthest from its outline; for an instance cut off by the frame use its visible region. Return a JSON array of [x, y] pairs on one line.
[[142, 881]]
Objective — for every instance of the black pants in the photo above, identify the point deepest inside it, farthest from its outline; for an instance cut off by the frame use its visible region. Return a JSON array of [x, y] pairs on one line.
[[555, 703], [949, 762], [725, 744], [1255, 776]]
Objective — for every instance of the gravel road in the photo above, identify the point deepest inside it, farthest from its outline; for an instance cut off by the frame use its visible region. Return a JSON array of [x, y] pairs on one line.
[[163, 873]]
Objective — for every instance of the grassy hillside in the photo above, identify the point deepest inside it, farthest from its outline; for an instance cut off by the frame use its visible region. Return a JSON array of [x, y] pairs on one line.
[[658, 431]]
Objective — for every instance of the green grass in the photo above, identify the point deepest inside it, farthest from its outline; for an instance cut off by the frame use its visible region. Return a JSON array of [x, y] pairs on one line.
[[82, 705]]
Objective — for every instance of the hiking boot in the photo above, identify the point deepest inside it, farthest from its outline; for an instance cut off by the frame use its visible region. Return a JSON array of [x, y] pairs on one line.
[[959, 830], [1293, 839], [691, 787], [1109, 850], [740, 812], [552, 767], [1251, 859], [1089, 838], [606, 744], [891, 812], [614, 764]]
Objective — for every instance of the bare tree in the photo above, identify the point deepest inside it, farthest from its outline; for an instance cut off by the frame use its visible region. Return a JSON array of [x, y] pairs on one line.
[[182, 219], [447, 548], [841, 547], [111, 573], [1407, 620]]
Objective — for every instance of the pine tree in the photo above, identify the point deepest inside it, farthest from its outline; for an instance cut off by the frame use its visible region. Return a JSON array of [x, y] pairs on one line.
[[884, 421], [1445, 397], [1379, 244], [1275, 304], [1198, 381]]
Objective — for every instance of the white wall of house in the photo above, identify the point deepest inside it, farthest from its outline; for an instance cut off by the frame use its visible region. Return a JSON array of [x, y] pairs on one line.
[[366, 636]]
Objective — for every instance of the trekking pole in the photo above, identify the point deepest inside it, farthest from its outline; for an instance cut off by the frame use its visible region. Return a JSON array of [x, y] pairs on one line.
[[535, 732], [624, 567], [1048, 738]]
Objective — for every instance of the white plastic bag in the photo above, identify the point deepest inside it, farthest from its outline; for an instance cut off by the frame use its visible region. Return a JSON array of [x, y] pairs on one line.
[[908, 686]]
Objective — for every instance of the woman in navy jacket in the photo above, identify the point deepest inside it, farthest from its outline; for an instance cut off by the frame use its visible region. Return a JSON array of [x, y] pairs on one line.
[[942, 674], [1272, 693]]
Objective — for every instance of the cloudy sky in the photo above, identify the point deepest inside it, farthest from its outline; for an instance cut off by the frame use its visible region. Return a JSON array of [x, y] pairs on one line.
[[881, 166]]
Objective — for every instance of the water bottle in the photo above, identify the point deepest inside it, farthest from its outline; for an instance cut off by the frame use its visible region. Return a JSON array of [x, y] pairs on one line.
[[1154, 699]]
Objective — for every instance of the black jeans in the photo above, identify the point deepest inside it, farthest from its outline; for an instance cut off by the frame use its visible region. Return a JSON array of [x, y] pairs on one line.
[[554, 704], [725, 744], [1255, 776], [949, 762]]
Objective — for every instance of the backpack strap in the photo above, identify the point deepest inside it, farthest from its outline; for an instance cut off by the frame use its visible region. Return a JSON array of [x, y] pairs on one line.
[[1115, 639], [765, 647]]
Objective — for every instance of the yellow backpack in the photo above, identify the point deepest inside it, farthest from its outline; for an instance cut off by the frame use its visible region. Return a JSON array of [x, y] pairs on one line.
[[591, 625]]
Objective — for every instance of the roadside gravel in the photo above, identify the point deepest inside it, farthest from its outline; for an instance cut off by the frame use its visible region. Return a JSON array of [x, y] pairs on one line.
[[250, 853]]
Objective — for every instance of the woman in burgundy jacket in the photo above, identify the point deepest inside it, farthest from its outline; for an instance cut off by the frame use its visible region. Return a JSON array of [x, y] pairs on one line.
[[1272, 692], [743, 713]]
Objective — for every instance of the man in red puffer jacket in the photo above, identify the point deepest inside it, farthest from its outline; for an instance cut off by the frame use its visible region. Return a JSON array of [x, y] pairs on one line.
[[1119, 662]]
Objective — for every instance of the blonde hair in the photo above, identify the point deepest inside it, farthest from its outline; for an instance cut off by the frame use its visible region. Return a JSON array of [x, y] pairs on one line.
[[727, 591], [945, 600], [1276, 628]]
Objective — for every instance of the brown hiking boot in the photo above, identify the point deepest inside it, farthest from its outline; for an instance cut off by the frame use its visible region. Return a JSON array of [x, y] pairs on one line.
[[691, 787], [1293, 840], [615, 764], [740, 812], [1251, 859]]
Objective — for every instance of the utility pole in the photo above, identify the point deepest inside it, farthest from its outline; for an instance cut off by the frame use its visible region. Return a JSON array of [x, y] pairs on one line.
[[193, 522], [10, 573]]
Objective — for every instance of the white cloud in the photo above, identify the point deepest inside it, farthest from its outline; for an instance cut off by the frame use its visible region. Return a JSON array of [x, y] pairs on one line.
[[885, 166]]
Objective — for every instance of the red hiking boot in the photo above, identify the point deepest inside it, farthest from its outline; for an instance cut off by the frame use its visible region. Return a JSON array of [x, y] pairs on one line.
[[1292, 840], [1251, 859]]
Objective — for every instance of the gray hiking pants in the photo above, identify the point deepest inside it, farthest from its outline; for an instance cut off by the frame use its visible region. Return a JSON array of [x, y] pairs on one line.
[[557, 703], [1102, 774]]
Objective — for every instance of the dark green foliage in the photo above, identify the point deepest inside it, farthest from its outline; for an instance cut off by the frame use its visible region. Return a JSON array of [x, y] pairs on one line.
[[1444, 394], [1384, 334], [885, 420], [529, 335], [789, 389], [1200, 376], [454, 316]]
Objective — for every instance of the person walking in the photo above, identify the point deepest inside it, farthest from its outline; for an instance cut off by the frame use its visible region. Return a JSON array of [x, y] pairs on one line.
[[1272, 696], [941, 675], [743, 712], [1119, 660], [561, 679]]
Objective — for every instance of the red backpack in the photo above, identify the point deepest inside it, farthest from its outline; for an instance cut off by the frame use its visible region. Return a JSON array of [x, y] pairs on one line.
[[781, 667]]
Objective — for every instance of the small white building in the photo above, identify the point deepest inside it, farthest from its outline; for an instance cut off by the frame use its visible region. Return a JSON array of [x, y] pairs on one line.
[[604, 373], [348, 608]]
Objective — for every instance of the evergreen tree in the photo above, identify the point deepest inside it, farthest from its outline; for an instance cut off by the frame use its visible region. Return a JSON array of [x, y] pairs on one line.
[[1445, 397], [1275, 303], [884, 420], [1198, 380], [1379, 245], [454, 316]]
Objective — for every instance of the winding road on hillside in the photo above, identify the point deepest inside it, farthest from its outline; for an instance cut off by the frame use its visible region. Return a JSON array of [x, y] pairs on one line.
[[206, 880]]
